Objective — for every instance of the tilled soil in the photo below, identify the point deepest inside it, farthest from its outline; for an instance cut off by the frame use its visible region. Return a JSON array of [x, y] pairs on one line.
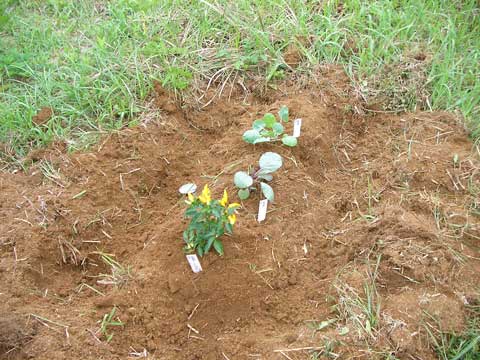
[[370, 204]]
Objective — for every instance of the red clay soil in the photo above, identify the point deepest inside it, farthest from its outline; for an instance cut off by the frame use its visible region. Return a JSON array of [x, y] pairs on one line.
[[373, 199]]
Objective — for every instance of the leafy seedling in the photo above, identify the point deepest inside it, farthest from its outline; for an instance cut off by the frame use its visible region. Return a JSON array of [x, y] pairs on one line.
[[268, 129], [258, 177]]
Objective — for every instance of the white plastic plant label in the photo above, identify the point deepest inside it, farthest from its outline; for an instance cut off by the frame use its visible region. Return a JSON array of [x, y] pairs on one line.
[[262, 210], [297, 125], [194, 263]]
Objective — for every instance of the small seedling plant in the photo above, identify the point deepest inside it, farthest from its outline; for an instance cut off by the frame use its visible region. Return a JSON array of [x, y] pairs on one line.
[[107, 322], [255, 178], [209, 220], [268, 129]]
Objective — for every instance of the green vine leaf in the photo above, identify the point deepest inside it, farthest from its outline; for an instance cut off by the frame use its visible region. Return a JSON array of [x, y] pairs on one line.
[[242, 180]]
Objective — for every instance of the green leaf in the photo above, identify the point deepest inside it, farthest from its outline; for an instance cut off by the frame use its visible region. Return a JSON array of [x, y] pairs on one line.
[[243, 194], [471, 346], [269, 119], [242, 180], [283, 113], [270, 162], [209, 243], [266, 177], [190, 212], [219, 229], [261, 140], [325, 324], [368, 326], [251, 135], [290, 140], [267, 133], [343, 331], [277, 128], [267, 191], [258, 125], [218, 246], [217, 212], [321, 325]]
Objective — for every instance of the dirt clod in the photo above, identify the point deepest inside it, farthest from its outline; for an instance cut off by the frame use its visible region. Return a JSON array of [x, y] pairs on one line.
[[42, 116]]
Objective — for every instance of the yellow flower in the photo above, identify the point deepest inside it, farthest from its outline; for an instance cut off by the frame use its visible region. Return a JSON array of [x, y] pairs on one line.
[[224, 200], [232, 219], [205, 197], [191, 198], [234, 205]]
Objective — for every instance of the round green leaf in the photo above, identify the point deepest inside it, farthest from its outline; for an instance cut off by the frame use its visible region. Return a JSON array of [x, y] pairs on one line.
[[259, 125], [267, 191], [189, 188], [242, 180], [251, 135], [277, 128], [243, 194], [283, 113], [261, 140], [290, 140], [270, 162], [269, 119]]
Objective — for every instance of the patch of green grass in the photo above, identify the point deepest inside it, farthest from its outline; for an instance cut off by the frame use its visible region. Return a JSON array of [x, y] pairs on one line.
[[464, 346], [108, 322], [361, 311], [119, 274], [93, 62]]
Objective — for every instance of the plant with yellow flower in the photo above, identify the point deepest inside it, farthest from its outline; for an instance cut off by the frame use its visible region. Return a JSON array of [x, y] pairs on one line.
[[209, 220]]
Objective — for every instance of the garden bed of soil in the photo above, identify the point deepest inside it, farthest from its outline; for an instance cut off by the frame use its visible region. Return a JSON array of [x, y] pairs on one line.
[[368, 204]]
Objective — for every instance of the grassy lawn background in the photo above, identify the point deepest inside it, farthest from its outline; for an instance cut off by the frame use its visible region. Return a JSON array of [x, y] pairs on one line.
[[93, 62]]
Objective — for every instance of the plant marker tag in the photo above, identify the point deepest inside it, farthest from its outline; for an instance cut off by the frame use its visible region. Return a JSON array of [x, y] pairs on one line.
[[297, 125], [262, 210], [194, 263]]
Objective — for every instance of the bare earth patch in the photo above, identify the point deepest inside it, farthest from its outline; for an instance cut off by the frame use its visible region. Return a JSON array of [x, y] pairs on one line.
[[369, 207]]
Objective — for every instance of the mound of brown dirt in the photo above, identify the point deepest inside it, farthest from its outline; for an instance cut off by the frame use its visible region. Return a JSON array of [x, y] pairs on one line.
[[357, 190]]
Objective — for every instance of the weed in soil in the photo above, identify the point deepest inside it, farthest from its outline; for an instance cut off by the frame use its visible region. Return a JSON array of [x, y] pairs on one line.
[[109, 321]]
